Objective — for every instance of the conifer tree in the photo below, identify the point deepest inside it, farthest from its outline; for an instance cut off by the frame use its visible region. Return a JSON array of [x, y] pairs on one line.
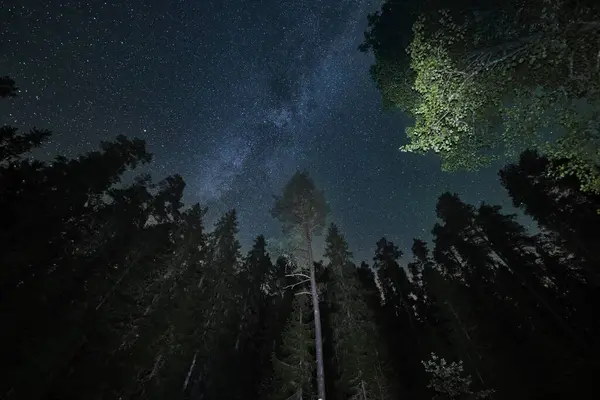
[[424, 273], [470, 296], [126, 331], [500, 290], [254, 343], [13, 147], [302, 210], [356, 347], [293, 365], [182, 309], [400, 325], [53, 225], [219, 300], [558, 205]]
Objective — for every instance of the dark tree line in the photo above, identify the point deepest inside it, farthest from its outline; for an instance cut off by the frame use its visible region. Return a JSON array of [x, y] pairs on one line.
[[517, 309], [116, 290]]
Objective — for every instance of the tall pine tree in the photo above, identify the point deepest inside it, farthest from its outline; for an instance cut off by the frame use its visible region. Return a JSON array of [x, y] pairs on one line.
[[302, 209], [356, 341]]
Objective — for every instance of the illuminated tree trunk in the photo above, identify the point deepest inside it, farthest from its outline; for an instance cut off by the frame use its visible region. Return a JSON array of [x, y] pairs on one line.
[[303, 210], [317, 314]]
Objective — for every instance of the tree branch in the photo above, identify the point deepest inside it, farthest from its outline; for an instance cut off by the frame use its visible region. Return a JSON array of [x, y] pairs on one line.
[[296, 284], [298, 274]]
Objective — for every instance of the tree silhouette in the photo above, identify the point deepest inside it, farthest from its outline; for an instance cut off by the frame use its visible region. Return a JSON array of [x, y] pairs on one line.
[[302, 210], [557, 204], [355, 338], [8, 87]]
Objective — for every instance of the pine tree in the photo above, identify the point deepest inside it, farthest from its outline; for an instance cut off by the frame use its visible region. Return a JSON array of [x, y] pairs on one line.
[[499, 287], [302, 209], [254, 343], [356, 347], [48, 209], [558, 205], [14, 146], [400, 326], [219, 300], [125, 333], [293, 365], [426, 278], [468, 297], [53, 227], [181, 309]]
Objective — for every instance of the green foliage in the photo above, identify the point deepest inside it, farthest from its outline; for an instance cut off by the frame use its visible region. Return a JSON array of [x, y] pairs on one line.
[[484, 81]]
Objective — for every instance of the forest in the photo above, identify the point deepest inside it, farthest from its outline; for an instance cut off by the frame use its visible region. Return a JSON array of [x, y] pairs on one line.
[[113, 288]]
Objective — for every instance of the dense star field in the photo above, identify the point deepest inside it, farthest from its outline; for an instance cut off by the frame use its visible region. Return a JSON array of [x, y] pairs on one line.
[[299, 200], [235, 96]]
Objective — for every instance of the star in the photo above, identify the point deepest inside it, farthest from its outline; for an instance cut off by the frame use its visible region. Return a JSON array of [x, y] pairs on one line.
[[234, 100]]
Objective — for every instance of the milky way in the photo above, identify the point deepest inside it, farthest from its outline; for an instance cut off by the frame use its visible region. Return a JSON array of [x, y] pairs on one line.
[[234, 95]]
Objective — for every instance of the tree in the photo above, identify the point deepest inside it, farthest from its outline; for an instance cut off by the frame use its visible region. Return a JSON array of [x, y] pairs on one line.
[[48, 210], [486, 79], [261, 305], [355, 339], [501, 290], [293, 368], [469, 298], [558, 205], [181, 309], [13, 146], [8, 87], [220, 303], [448, 381], [55, 227], [432, 298], [399, 324], [302, 210], [126, 331], [118, 280]]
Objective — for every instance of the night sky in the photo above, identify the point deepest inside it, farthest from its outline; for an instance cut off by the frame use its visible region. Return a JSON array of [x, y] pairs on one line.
[[235, 95]]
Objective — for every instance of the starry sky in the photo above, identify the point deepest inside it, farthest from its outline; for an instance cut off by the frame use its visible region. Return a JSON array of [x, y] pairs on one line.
[[234, 95]]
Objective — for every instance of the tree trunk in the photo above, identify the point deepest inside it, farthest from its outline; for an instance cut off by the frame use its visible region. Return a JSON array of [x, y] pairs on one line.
[[317, 314], [190, 371], [466, 334]]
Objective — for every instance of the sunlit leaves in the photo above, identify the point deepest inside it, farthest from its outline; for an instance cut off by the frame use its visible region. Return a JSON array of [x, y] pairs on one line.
[[487, 83]]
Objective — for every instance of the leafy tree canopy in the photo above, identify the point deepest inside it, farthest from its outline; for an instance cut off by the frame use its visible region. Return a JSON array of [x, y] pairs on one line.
[[484, 80]]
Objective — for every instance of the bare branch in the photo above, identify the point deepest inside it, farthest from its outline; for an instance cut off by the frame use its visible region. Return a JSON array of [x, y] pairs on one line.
[[302, 275], [296, 284], [299, 293]]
